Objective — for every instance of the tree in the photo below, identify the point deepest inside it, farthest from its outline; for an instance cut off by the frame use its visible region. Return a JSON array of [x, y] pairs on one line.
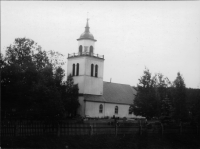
[[179, 94], [70, 101], [151, 95], [145, 103], [32, 83]]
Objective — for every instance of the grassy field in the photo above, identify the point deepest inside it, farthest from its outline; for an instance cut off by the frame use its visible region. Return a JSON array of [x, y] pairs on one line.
[[103, 141]]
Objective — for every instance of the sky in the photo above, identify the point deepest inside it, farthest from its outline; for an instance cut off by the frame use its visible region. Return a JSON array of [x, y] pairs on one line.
[[161, 36]]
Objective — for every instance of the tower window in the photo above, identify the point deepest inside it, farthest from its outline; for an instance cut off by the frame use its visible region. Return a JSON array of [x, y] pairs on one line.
[[80, 49], [73, 70], [77, 69], [91, 50], [101, 108], [116, 109], [92, 69], [96, 70]]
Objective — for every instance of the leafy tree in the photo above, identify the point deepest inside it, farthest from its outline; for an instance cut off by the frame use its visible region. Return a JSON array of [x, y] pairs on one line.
[[145, 103], [32, 81], [179, 94], [71, 97], [151, 95]]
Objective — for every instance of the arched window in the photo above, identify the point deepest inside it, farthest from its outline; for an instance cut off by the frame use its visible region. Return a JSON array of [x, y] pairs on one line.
[[116, 109], [96, 70], [101, 108], [80, 49], [92, 69], [91, 50], [77, 69], [130, 110], [73, 70]]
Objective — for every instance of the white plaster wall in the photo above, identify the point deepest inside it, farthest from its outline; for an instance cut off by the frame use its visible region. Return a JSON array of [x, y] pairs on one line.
[[75, 60], [88, 43], [95, 61], [86, 83], [123, 110], [92, 110], [81, 109]]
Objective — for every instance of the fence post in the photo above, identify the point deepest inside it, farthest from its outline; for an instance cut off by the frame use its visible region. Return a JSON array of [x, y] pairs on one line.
[[16, 128], [162, 130], [140, 128], [91, 130], [58, 128], [180, 128], [115, 129]]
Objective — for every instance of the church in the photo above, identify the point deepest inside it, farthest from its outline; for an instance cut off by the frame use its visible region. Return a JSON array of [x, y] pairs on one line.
[[96, 97]]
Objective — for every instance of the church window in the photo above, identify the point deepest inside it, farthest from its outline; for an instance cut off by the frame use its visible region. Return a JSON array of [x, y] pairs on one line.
[[91, 50], [77, 69], [80, 49], [101, 108], [130, 110], [92, 69], [96, 70], [116, 109], [73, 70]]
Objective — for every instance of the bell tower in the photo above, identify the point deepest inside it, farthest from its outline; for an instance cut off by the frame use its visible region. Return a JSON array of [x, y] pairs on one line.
[[85, 66]]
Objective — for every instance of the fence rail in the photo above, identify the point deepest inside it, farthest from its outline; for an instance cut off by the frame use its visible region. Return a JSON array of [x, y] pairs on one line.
[[29, 128]]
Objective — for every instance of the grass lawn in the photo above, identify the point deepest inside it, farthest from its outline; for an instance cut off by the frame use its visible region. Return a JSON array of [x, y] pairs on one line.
[[103, 141]]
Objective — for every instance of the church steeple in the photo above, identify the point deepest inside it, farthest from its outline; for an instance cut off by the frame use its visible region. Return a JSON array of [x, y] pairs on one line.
[[87, 27], [87, 35], [85, 66]]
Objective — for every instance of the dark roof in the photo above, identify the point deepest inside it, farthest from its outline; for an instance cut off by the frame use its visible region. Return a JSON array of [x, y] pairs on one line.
[[114, 93]]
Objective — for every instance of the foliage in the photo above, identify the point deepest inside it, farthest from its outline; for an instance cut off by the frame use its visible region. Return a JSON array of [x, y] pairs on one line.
[[71, 100], [193, 103], [145, 103], [151, 100], [179, 95], [32, 81]]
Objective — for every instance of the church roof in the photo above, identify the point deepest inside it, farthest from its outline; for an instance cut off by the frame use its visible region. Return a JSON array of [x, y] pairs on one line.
[[114, 93], [87, 34]]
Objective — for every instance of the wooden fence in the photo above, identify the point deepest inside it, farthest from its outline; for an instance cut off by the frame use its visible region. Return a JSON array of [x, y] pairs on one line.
[[29, 128]]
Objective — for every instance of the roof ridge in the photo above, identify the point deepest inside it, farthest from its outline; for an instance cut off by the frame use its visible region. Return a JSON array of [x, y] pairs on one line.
[[117, 83]]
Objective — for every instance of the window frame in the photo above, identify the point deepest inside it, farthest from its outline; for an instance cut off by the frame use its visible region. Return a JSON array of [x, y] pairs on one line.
[[77, 69], [96, 70], [116, 109], [73, 70], [100, 108], [92, 70]]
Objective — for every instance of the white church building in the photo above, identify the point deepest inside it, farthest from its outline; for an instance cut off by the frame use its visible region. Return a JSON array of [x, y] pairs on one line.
[[96, 97]]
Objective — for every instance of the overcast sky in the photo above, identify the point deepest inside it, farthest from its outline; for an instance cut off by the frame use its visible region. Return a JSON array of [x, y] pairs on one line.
[[162, 36]]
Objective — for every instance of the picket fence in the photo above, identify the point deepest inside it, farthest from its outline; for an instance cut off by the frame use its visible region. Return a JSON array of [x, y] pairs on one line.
[[30, 128]]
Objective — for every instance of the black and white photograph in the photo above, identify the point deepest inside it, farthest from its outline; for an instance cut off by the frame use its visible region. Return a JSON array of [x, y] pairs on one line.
[[100, 74]]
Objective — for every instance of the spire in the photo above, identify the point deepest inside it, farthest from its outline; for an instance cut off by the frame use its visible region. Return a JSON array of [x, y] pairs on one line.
[[87, 27]]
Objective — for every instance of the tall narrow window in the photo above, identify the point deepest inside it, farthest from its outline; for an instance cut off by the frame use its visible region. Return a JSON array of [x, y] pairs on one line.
[[101, 108], [91, 50], [73, 70], [92, 69], [80, 49], [77, 69], [96, 70], [130, 110], [116, 110]]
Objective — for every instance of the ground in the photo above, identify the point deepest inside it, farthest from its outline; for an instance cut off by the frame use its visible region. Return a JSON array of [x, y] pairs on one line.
[[103, 141]]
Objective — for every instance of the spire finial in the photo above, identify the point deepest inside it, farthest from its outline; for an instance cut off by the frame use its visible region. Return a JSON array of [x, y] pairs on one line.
[[87, 25]]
